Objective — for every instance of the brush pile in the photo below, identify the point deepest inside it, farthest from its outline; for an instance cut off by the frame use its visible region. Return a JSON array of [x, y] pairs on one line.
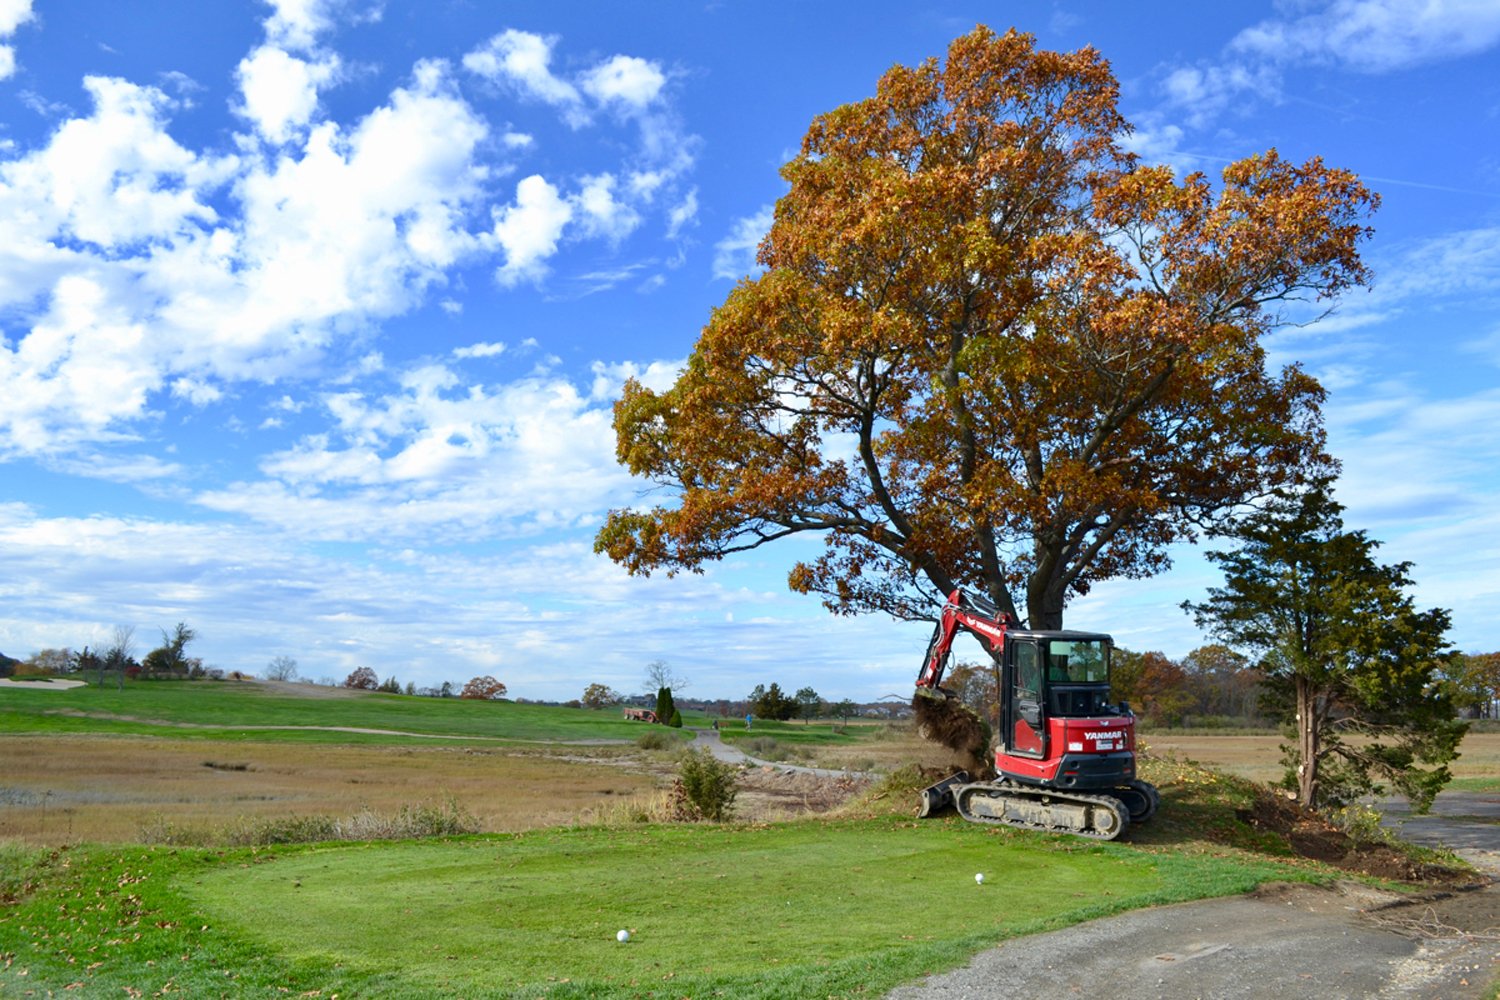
[[942, 718]]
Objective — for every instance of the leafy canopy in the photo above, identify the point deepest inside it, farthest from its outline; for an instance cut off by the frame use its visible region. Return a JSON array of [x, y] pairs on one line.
[[991, 349]]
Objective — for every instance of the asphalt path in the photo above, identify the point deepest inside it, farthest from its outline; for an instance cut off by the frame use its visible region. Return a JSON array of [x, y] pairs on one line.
[[1350, 941]]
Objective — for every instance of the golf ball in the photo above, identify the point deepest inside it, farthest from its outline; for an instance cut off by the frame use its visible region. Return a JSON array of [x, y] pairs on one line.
[[979, 879], [623, 936]]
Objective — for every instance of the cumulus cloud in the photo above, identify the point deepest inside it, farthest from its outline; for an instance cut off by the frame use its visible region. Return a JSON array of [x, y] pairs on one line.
[[524, 60], [529, 229], [13, 14], [630, 81], [280, 91], [434, 452]]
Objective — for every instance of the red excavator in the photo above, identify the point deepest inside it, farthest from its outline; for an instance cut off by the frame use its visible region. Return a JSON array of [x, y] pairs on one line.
[[1064, 755]]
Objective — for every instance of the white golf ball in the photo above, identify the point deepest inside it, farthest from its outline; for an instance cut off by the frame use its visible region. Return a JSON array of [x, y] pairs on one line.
[[623, 936], [979, 879]]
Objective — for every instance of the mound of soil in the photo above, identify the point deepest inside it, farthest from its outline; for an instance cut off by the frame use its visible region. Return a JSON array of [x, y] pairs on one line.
[[944, 719], [1312, 837]]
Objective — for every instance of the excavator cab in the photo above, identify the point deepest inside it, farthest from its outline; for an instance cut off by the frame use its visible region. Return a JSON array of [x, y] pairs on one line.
[[1051, 675]]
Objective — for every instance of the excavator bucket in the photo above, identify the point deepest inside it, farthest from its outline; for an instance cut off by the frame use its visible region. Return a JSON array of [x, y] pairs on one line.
[[936, 798]]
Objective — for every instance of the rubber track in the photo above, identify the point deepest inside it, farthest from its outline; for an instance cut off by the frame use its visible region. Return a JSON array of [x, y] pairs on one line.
[[996, 791]]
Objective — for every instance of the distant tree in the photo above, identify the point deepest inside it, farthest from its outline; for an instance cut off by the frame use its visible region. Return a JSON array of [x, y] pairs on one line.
[[362, 679], [1476, 680], [600, 696], [809, 704], [665, 705], [772, 702], [845, 709], [390, 685], [484, 688], [659, 675], [1349, 662], [171, 656], [52, 661], [976, 686], [118, 656], [446, 691], [411, 688], [281, 668]]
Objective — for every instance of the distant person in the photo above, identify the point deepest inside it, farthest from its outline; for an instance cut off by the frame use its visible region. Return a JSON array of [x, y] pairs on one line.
[[748, 719]]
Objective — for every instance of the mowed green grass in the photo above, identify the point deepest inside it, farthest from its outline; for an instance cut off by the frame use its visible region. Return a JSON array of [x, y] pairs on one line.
[[826, 908], [238, 711]]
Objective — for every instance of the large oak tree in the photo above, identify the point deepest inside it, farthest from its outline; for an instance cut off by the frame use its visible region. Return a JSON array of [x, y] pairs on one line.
[[990, 349]]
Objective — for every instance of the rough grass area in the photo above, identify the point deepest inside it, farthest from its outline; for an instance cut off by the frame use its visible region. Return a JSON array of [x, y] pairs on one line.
[[843, 907], [233, 711], [57, 789]]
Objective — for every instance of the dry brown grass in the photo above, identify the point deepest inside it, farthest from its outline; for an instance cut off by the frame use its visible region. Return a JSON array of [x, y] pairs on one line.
[[1259, 757], [68, 790]]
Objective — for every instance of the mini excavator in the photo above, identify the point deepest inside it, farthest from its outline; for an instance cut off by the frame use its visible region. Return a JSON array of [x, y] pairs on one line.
[[1064, 755]]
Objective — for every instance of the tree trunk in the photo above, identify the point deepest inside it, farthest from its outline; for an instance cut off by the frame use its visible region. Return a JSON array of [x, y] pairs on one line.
[[1309, 732]]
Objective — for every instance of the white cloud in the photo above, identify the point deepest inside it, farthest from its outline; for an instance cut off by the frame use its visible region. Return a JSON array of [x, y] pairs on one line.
[[492, 350], [524, 60], [529, 229], [438, 454], [734, 255], [1377, 36], [682, 214], [601, 213], [626, 80], [13, 14], [281, 91], [296, 24], [1372, 36]]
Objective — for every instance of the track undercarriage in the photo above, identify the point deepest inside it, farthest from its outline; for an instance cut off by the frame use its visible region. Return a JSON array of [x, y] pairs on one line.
[[1101, 815]]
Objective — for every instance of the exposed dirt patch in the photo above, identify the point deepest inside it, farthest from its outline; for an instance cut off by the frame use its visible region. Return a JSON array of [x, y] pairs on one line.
[[771, 793], [1310, 836]]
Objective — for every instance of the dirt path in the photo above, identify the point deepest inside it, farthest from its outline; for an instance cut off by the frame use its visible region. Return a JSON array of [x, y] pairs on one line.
[[1283, 941], [710, 740]]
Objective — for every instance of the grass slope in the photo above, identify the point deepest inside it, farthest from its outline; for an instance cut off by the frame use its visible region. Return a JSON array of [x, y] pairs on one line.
[[240, 711], [833, 908]]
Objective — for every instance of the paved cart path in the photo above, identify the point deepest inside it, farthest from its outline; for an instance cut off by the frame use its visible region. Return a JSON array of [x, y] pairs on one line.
[[1284, 941]]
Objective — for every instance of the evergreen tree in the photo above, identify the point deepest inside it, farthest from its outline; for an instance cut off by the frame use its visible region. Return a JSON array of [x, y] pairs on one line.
[[1349, 662]]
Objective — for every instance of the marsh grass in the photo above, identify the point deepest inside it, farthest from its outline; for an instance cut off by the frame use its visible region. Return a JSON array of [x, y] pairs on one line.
[[409, 822]]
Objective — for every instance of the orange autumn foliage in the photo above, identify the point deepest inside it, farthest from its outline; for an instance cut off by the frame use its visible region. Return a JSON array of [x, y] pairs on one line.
[[990, 349]]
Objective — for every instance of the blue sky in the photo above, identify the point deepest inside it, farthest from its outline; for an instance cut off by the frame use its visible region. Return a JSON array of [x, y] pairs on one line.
[[313, 310]]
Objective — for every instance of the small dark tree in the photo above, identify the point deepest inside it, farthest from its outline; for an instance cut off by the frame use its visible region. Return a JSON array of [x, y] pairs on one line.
[[772, 702], [809, 704], [390, 685], [845, 710], [1343, 649], [665, 706], [362, 679], [708, 784]]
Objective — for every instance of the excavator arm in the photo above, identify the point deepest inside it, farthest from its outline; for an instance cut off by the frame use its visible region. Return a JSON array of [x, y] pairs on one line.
[[969, 613]]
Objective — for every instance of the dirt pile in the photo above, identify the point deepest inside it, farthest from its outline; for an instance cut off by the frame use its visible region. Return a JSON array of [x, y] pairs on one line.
[[943, 719], [1311, 836]]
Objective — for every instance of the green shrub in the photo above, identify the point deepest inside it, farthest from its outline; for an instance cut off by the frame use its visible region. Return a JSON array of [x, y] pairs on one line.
[[676, 720], [655, 739], [708, 784]]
